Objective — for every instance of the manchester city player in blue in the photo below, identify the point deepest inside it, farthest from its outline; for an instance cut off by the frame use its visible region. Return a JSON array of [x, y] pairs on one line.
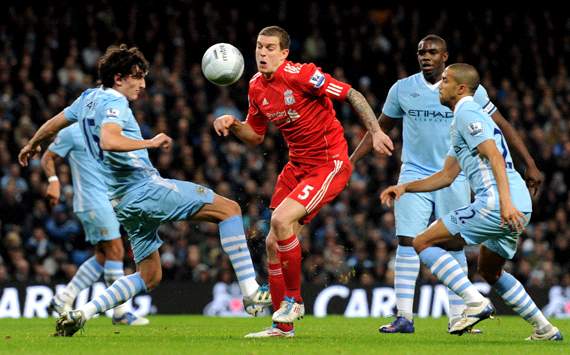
[[91, 205], [498, 215], [415, 101], [141, 198]]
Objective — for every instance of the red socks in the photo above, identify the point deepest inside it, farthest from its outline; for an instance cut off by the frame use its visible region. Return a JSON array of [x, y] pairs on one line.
[[290, 255]]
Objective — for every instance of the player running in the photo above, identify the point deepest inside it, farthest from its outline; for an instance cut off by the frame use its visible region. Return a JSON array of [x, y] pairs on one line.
[[297, 99], [91, 205], [499, 214], [415, 101], [142, 199]]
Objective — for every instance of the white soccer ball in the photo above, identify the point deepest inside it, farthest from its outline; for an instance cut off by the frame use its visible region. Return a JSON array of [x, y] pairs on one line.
[[222, 64]]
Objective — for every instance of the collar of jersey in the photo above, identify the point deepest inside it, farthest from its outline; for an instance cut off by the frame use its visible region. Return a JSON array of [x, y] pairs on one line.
[[112, 91], [463, 100], [430, 86], [279, 70]]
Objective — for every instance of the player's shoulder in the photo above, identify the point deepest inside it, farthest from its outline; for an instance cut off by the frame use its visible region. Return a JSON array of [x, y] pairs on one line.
[[469, 110], [113, 97], [411, 82], [255, 79]]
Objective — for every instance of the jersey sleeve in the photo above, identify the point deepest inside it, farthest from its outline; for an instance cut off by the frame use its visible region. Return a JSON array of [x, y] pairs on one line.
[[392, 106], [115, 111], [72, 112], [63, 143], [482, 98], [473, 127], [255, 118], [451, 152], [313, 80]]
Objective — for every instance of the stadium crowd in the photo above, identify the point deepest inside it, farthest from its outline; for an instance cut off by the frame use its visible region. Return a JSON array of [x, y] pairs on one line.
[[48, 55]]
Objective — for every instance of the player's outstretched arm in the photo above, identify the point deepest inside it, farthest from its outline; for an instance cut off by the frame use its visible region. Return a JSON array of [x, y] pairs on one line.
[[225, 124], [439, 180], [509, 214], [46, 132], [365, 145], [532, 175], [112, 140], [53, 191], [380, 141]]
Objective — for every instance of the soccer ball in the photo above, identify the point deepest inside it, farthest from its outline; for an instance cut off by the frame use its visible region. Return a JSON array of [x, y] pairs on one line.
[[222, 64]]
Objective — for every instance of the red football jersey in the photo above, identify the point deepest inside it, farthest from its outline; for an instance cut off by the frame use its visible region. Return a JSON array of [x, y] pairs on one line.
[[297, 99]]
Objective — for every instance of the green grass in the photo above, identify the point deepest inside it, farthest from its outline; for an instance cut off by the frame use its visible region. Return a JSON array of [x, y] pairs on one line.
[[331, 335]]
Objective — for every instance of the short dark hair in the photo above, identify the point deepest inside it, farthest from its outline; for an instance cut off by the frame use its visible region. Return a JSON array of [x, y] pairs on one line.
[[435, 38], [465, 74], [120, 60], [284, 39]]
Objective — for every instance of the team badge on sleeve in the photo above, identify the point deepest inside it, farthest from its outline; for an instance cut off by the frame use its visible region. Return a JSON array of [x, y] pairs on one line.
[[112, 113], [475, 128], [317, 79]]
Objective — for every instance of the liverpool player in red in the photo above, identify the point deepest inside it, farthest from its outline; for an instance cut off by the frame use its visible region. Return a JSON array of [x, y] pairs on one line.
[[297, 99]]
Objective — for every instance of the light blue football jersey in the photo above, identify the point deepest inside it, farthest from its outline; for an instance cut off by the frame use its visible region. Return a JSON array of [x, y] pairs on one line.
[[426, 122], [95, 107], [89, 186], [472, 126]]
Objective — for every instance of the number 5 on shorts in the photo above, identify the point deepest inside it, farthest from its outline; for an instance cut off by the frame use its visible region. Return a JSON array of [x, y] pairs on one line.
[[306, 191]]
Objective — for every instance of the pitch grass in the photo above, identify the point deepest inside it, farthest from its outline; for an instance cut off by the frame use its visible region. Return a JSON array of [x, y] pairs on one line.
[[331, 335]]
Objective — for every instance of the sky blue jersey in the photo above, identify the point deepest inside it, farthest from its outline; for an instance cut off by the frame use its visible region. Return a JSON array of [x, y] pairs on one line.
[[89, 186], [96, 107], [471, 127], [426, 122]]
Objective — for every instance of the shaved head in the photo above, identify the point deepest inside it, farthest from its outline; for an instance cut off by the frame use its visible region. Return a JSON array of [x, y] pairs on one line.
[[436, 39], [464, 74]]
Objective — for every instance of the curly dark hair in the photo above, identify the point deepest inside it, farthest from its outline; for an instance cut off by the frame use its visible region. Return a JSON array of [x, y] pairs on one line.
[[121, 60]]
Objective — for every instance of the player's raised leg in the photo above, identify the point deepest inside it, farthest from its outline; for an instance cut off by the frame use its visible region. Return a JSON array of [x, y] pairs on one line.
[[490, 267], [450, 273]]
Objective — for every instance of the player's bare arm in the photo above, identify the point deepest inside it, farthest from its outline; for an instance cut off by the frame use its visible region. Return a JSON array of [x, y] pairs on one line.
[[46, 132], [532, 174], [380, 141], [510, 216], [225, 124], [386, 124], [53, 191], [439, 180], [113, 140]]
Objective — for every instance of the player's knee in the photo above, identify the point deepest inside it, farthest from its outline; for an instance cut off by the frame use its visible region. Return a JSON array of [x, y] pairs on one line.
[[279, 223], [115, 251], [419, 245], [231, 208], [405, 241]]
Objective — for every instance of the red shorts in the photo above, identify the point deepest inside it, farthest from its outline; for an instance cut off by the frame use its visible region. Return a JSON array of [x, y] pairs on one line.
[[311, 186]]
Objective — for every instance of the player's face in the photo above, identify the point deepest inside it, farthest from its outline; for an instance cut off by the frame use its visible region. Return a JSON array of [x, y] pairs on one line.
[[269, 55], [431, 57], [447, 89], [131, 85]]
